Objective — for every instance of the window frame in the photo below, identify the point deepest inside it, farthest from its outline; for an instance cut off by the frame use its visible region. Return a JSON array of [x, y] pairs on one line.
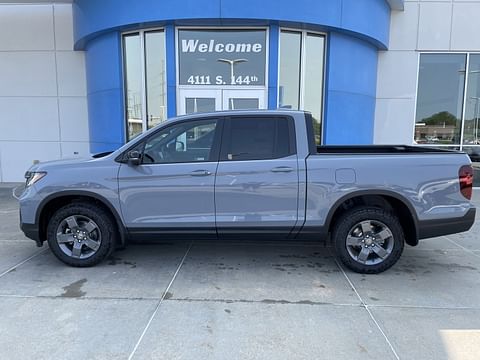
[[214, 152], [461, 145], [143, 73], [223, 155], [301, 99]]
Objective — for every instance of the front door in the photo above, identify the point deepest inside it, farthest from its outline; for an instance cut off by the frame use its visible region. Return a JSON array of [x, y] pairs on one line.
[[209, 100], [173, 188]]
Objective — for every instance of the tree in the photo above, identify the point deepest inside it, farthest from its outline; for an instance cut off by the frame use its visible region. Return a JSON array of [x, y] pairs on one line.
[[441, 118]]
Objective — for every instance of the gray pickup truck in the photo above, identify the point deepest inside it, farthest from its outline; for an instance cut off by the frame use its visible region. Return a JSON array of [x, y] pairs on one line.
[[247, 174]]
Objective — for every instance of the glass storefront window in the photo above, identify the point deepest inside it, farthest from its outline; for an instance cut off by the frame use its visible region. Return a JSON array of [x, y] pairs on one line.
[[222, 57], [290, 63], [301, 74], [144, 67], [441, 82], [314, 48], [155, 77], [448, 104], [133, 84], [471, 127]]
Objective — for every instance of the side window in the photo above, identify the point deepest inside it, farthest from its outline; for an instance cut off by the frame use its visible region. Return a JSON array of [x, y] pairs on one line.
[[184, 142], [257, 138]]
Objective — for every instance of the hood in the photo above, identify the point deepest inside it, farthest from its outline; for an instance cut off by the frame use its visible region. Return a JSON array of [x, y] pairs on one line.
[[59, 163]]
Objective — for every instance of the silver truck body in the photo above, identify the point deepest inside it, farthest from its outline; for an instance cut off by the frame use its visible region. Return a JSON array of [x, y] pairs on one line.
[[297, 196]]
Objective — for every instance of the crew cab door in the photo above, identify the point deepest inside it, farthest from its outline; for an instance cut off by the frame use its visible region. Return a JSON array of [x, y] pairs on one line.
[[172, 189], [256, 187]]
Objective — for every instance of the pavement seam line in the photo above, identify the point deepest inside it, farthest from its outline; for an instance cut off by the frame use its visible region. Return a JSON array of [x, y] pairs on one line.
[[22, 262], [368, 310], [159, 303], [146, 299], [462, 247]]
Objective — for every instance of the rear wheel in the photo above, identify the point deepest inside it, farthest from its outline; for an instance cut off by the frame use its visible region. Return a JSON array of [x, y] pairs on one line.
[[368, 240], [81, 234]]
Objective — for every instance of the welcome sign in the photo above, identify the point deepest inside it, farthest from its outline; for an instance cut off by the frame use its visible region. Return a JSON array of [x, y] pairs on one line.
[[222, 57]]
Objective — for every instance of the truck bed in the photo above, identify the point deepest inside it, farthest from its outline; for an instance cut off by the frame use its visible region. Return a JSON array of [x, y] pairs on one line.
[[380, 149]]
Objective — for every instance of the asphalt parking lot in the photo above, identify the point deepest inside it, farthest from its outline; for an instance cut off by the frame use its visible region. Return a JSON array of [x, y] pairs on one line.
[[237, 300]]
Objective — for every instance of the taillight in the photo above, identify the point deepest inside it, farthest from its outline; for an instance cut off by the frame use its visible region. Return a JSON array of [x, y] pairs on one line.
[[465, 176]]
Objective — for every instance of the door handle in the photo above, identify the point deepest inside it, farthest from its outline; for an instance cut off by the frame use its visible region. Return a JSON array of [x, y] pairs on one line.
[[284, 169], [200, 173]]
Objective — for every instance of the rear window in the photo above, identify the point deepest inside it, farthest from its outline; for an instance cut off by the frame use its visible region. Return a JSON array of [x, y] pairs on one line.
[[258, 138]]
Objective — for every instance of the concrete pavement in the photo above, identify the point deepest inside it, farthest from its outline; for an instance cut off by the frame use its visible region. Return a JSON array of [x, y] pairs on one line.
[[237, 300]]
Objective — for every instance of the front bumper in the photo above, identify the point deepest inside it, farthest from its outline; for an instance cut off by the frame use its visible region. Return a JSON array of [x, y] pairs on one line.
[[32, 232], [434, 228]]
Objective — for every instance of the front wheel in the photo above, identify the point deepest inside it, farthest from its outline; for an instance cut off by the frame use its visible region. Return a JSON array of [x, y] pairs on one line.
[[81, 234], [368, 240]]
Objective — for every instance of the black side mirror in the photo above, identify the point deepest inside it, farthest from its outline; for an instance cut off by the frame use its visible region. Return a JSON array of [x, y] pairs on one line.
[[134, 157]]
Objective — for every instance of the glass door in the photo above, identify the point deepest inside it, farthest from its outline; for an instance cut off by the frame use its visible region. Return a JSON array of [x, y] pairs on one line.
[[243, 99], [208, 100], [195, 101]]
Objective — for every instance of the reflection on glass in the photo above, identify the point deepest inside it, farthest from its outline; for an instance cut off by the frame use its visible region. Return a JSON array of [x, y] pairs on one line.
[[471, 127], [474, 153], [184, 142], [242, 104], [155, 77], [313, 92], [441, 83], [194, 105], [289, 77], [133, 84]]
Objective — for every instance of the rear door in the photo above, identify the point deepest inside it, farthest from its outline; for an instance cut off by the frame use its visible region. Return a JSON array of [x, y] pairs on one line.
[[256, 187]]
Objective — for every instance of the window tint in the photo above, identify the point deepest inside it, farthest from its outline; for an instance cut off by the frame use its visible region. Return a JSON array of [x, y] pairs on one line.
[[257, 138], [184, 142]]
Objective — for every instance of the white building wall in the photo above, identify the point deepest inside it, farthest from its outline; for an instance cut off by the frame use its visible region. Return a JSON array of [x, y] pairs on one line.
[[43, 105], [424, 25]]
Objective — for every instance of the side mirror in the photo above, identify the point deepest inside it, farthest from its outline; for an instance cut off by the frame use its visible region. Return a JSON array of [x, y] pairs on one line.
[[134, 157]]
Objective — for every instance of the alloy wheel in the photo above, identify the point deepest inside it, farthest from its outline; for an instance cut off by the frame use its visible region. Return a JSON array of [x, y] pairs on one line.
[[78, 236], [370, 242]]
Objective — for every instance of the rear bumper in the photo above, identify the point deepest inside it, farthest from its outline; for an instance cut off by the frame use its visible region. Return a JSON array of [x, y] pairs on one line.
[[433, 228]]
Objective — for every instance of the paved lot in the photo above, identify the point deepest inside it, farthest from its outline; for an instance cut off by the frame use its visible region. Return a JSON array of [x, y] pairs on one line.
[[242, 300]]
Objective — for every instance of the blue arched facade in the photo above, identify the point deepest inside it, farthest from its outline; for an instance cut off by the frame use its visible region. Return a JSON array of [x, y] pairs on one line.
[[356, 30]]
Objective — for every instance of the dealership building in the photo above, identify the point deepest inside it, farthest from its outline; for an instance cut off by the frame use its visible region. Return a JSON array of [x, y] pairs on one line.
[[85, 76]]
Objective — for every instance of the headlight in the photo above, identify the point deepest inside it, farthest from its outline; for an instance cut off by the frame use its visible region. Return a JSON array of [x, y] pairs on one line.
[[33, 176]]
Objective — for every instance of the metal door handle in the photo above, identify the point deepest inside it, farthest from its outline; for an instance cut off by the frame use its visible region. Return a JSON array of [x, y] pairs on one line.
[[282, 169], [200, 173]]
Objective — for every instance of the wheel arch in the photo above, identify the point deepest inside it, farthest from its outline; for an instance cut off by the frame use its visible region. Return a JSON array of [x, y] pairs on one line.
[[53, 202], [379, 198]]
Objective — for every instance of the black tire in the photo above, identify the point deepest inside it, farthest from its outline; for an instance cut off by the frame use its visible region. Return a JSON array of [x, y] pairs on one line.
[[368, 251], [86, 216]]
